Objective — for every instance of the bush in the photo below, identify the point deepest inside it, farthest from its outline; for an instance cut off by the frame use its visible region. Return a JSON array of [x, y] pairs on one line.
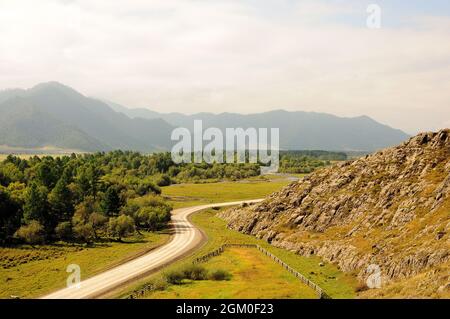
[[147, 187], [153, 218], [98, 222], [219, 275], [195, 272], [121, 226], [163, 180], [64, 231], [33, 233], [84, 232], [362, 286], [174, 277], [159, 284]]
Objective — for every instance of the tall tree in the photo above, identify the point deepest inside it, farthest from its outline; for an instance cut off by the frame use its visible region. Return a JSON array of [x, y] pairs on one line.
[[46, 173], [60, 199], [111, 202], [36, 205], [10, 215]]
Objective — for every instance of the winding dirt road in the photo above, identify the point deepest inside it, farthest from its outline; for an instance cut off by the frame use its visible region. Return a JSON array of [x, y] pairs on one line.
[[186, 238]]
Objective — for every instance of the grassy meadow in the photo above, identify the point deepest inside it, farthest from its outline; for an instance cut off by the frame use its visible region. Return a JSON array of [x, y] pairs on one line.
[[185, 195], [253, 275], [333, 281], [30, 272]]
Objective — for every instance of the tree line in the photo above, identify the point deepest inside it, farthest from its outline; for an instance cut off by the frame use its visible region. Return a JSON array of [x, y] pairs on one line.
[[305, 162], [84, 197]]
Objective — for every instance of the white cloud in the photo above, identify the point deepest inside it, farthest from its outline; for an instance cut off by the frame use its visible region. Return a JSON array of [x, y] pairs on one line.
[[191, 55]]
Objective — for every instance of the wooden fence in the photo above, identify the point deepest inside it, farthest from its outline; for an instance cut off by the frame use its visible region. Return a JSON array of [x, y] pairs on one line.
[[320, 292]]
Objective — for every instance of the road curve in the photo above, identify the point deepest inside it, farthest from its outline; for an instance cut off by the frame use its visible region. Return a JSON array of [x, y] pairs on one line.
[[186, 238]]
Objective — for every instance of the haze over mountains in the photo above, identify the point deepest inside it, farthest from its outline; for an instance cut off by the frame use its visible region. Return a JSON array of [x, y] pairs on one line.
[[51, 114]]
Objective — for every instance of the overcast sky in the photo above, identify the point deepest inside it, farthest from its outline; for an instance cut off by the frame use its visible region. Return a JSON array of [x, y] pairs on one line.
[[241, 56]]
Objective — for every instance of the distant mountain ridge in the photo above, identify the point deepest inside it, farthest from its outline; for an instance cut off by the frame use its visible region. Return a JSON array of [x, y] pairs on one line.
[[298, 130], [52, 114]]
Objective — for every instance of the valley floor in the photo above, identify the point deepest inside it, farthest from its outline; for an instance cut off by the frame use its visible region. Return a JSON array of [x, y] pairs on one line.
[[32, 272], [334, 282]]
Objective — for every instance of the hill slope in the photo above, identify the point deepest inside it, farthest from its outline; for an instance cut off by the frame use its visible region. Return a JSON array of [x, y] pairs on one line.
[[70, 110], [391, 209], [23, 124]]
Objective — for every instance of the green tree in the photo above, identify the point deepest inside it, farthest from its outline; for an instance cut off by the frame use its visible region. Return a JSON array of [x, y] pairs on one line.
[[121, 226], [152, 218], [111, 202], [36, 205], [10, 215], [9, 173], [32, 233], [84, 232], [64, 231], [46, 173], [93, 175], [88, 180], [98, 222], [60, 199]]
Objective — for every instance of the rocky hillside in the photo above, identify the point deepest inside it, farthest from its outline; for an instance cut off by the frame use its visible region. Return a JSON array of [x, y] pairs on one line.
[[391, 209]]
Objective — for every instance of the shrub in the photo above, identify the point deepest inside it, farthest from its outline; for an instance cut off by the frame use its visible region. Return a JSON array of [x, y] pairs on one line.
[[159, 284], [33, 233], [98, 222], [163, 180], [147, 187], [121, 226], [64, 231], [219, 274], [153, 218], [174, 277], [84, 232], [195, 272], [362, 286]]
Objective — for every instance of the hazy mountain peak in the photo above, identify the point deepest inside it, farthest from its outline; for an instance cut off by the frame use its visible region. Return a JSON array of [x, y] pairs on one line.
[[54, 87], [141, 129]]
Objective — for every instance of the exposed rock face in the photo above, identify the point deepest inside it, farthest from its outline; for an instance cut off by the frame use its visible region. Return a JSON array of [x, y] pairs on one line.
[[391, 208]]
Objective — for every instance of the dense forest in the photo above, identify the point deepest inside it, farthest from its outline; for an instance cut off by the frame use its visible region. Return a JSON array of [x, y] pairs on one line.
[[305, 162], [91, 196]]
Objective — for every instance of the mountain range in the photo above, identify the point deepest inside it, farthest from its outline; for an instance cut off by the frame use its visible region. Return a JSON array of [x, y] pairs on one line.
[[52, 114]]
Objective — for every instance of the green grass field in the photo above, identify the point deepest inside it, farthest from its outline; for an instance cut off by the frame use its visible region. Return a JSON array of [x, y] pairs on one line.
[[31, 272], [253, 275], [184, 195], [333, 281]]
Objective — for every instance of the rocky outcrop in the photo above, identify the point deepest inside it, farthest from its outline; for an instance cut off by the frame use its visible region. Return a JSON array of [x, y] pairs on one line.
[[391, 209]]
